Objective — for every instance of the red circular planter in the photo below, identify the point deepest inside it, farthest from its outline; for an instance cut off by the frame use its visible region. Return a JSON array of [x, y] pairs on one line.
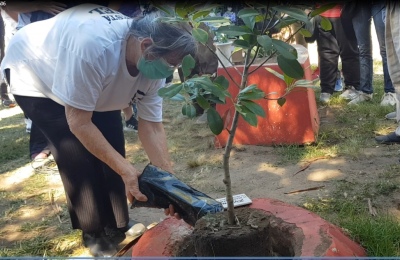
[[321, 238]]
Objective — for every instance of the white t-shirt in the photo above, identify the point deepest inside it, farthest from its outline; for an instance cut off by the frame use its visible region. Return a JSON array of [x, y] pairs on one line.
[[78, 58]]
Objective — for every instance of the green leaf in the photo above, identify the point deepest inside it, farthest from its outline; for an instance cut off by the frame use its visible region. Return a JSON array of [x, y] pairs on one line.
[[233, 30], [215, 122], [208, 6], [290, 67], [200, 14], [208, 85], [265, 41], [322, 9], [285, 49], [188, 110], [238, 108], [251, 93], [250, 38], [188, 64], [200, 35], [253, 107], [285, 22], [222, 81], [205, 82], [181, 11], [241, 43], [259, 18], [288, 80], [170, 19], [248, 116], [295, 13], [281, 101], [277, 74], [248, 89], [249, 21], [304, 83], [193, 7], [305, 32], [178, 97], [202, 102], [216, 19], [185, 9], [326, 24], [247, 12], [170, 91]]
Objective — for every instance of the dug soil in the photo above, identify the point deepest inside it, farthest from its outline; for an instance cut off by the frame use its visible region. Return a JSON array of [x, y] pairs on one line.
[[256, 234]]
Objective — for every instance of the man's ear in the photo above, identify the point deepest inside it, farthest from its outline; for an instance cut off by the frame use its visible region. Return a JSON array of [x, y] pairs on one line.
[[145, 43]]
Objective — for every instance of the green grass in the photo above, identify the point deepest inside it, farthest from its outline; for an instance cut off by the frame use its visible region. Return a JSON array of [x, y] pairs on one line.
[[43, 245], [379, 235], [347, 207], [353, 131]]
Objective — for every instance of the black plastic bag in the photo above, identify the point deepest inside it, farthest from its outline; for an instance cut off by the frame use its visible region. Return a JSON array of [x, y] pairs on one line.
[[163, 188]]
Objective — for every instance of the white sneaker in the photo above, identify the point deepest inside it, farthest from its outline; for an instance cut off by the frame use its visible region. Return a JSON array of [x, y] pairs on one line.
[[325, 97], [391, 115], [360, 98], [388, 99], [349, 94], [28, 123]]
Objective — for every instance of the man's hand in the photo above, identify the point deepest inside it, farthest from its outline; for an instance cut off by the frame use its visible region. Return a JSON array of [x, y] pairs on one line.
[[171, 212], [132, 187]]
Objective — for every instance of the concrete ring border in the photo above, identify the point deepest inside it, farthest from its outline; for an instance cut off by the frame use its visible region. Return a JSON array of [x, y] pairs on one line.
[[159, 240]]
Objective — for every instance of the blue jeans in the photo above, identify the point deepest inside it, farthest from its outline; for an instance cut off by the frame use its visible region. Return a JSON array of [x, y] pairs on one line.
[[362, 28]]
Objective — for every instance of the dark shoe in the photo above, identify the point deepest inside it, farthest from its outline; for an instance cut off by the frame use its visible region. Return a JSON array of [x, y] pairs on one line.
[[115, 235], [131, 125], [391, 138], [99, 244]]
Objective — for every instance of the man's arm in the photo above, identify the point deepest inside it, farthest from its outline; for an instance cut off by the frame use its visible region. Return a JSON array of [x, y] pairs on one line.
[[81, 125], [12, 14], [154, 141]]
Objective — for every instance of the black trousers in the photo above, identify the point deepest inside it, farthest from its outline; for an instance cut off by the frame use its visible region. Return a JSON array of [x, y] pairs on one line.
[[95, 193], [37, 141], [331, 45]]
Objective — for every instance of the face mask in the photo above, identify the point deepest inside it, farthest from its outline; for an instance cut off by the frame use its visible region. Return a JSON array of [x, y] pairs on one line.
[[155, 69]]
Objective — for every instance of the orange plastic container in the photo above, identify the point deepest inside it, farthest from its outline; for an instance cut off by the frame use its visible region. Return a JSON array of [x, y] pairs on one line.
[[296, 122]]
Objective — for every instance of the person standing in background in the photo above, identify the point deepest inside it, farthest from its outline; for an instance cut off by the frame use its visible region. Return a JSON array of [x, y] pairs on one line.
[[7, 29], [361, 14], [30, 12], [331, 45], [392, 36]]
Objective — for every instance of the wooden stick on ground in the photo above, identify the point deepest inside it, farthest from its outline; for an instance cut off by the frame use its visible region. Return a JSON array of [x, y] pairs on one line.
[[309, 163], [372, 210], [309, 189]]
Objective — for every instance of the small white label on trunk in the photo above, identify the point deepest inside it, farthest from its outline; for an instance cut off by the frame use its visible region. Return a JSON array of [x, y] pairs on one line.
[[238, 200]]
